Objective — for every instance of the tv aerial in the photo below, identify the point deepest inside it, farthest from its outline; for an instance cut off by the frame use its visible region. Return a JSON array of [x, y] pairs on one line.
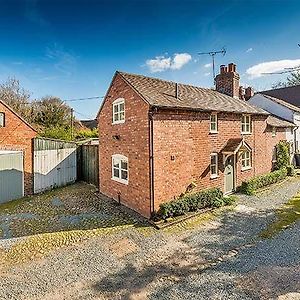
[[213, 54]]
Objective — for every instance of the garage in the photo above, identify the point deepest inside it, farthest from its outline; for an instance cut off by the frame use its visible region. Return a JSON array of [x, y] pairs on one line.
[[11, 175]]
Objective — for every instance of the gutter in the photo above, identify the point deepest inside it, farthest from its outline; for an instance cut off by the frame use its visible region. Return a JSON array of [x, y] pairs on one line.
[[151, 160]]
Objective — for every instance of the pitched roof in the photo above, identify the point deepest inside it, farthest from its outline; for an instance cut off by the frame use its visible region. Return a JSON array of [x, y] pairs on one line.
[[22, 119], [235, 144], [281, 102], [162, 93], [290, 94], [278, 122], [91, 124]]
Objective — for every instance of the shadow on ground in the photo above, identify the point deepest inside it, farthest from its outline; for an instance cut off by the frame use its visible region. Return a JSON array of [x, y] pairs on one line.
[[228, 258]]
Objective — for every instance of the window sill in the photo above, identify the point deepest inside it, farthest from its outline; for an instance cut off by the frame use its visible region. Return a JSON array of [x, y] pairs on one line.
[[214, 176], [246, 133], [120, 180], [246, 168], [214, 132], [118, 122]]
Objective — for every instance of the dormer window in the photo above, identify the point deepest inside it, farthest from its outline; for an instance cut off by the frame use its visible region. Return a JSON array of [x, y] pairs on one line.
[[2, 119], [246, 124], [213, 123], [119, 111]]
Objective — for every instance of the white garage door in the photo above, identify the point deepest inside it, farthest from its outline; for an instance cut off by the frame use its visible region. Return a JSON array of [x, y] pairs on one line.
[[11, 175]]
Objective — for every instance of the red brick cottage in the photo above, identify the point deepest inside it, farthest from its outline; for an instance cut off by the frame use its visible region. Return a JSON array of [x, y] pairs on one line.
[[16, 134], [157, 137]]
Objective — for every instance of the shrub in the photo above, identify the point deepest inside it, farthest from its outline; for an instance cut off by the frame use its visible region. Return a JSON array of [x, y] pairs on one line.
[[282, 155], [228, 200], [249, 187], [87, 133], [191, 202], [290, 170]]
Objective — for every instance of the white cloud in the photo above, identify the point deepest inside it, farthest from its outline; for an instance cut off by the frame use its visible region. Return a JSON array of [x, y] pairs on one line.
[[207, 74], [208, 65], [271, 67], [249, 50], [162, 63]]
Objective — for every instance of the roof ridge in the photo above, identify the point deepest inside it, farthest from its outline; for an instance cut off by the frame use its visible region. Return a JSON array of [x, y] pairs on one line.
[[281, 88], [170, 81]]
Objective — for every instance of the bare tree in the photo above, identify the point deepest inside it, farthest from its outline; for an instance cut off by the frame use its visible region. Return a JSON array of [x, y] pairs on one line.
[[292, 80], [16, 97], [51, 112]]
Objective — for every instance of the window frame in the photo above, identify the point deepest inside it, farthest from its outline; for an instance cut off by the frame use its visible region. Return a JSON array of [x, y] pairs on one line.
[[213, 122], [216, 165], [119, 158], [246, 159], [274, 131], [245, 124], [117, 103], [2, 114]]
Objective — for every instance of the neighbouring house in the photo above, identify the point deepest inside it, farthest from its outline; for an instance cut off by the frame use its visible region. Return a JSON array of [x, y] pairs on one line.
[[159, 137], [90, 124], [284, 110], [16, 161]]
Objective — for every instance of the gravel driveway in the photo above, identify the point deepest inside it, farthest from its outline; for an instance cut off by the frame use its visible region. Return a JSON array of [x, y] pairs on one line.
[[221, 256]]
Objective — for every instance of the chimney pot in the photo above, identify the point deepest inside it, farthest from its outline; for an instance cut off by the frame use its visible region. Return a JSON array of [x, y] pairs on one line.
[[231, 67], [222, 69]]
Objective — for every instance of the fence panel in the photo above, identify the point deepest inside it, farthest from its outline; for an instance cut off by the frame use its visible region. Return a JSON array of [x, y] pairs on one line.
[[54, 164], [89, 161]]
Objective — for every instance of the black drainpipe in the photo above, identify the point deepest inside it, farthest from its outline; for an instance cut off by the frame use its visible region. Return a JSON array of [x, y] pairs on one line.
[[151, 162]]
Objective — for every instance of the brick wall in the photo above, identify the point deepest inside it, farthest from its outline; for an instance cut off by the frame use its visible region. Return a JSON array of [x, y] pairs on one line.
[[133, 143], [17, 135], [183, 144], [182, 147]]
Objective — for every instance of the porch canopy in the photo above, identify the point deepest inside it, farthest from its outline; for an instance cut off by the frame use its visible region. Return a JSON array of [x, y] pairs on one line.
[[233, 146]]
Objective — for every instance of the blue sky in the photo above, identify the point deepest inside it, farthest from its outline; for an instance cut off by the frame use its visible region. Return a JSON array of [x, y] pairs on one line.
[[71, 49]]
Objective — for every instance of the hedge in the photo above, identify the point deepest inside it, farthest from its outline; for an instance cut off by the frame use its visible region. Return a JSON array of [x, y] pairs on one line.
[[193, 202], [249, 187]]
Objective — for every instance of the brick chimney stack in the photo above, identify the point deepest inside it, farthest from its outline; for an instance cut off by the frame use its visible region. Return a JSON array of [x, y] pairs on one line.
[[249, 93], [228, 81]]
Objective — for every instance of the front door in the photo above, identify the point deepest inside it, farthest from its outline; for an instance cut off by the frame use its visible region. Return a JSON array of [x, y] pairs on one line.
[[229, 174]]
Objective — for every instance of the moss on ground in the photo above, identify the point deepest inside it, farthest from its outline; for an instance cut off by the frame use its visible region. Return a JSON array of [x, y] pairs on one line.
[[74, 207], [285, 217], [41, 245]]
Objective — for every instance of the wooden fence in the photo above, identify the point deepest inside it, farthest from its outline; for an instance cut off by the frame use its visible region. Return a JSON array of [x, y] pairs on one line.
[[88, 164], [54, 163]]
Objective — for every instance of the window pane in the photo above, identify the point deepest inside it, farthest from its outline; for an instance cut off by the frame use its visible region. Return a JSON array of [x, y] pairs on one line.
[[213, 160], [1, 119], [213, 170], [122, 115], [121, 107], [116, 108], [116, 163], [124, 175], [116, 173], [124, 165], [116, 117]]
